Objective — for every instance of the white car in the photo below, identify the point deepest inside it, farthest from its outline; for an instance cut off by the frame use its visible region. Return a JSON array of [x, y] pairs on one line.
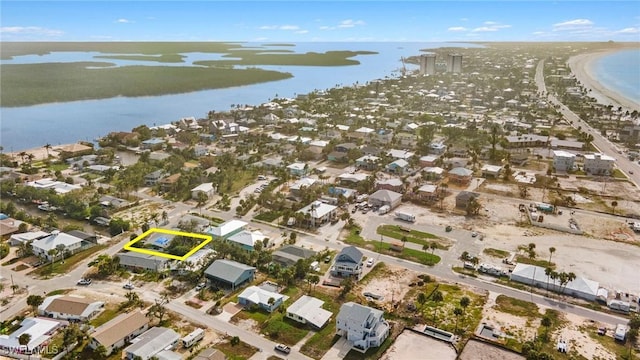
[[283, 348], [128, 286], [84, 282], [370, 262]]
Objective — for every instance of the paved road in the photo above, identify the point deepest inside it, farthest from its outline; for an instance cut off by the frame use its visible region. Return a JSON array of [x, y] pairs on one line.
[[600, 142]]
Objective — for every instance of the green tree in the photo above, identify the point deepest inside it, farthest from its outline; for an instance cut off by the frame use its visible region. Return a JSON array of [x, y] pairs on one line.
[[473, 207], [24, 340], [234, 341], [457, 312], [34, 301], [614, 204], [552, 250], [437, 298], [464, 303], [201, 200], [546, 323], [158, 309]]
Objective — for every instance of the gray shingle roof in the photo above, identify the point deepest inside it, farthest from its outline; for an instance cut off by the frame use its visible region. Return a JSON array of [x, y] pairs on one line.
[[350, 254], [227, 270]]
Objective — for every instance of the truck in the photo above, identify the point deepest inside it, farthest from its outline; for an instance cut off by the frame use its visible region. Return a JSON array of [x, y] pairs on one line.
[[384, 209], [405, 216]]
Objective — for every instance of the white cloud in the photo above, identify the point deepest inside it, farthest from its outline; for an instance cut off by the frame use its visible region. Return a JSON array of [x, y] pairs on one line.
[[350, 23], [124, 21], [302, 31], [280, 27], [463, 19], [629, 30], [30, 30], [457, 28], [572, 24], [491, 26]]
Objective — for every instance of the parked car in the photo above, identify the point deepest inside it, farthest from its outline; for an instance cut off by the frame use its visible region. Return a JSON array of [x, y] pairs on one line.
[[262, 177], [474, 234], [327, 259], [128, 286], [283, 348], [84, 282], [370, 262], [201, 286]]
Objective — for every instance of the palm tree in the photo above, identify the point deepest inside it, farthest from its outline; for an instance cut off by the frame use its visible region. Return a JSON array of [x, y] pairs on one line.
[[546, 322], [165, 217], [613, 205], [61, 248], [551, 251], [433, 245], [464, 303], [425, 247], [457, 312], [47, 147], [548, 271], [52, 252], [436, 297], [24, 340]]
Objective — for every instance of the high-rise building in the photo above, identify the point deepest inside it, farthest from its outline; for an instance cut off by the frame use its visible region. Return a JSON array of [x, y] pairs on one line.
[[454, 63], [427, 64]]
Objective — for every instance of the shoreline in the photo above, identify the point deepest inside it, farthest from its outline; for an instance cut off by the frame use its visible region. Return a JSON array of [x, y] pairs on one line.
[[582, 67]]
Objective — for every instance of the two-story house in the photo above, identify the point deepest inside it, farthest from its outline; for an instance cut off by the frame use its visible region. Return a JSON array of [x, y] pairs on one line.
[[348, 263], [363, 326]]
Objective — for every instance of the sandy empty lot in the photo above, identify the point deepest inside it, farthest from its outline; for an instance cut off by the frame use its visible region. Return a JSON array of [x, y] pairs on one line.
[[393, 285], [411, 345], [477, 350]]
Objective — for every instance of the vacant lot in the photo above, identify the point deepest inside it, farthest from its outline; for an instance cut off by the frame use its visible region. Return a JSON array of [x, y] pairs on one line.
[[411, 345]]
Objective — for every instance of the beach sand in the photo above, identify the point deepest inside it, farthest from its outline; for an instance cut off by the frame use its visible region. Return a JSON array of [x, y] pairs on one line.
[[582, 67]]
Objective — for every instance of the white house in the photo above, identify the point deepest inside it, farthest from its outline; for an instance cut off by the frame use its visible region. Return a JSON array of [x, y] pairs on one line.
[[42, 246], [226, 229], [598, 164], [58, 186], [535, 275], [308, 310], [17, 239], [254, 295], [206, 188], [154, 342], [319, 212], [247, 239], [119, 330], [39, 329], [563, 160], [69, 307], [364, 327]]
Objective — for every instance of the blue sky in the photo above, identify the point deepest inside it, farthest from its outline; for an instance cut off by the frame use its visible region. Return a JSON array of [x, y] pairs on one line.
[[297, 21]]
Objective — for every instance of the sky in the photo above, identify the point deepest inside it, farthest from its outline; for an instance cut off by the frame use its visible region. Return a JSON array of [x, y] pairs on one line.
[[301, 21]]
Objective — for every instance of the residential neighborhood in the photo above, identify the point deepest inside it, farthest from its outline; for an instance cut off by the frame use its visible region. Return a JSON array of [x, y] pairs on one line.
[[458, 209]]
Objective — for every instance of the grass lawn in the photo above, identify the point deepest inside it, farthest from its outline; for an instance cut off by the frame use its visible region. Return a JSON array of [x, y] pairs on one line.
[[69, 263], [241, 351], [496, 252], [59, 292], [538, 262], [259, 316], [516, 307], [414, 236], [58, 166], [110, 311], [283, 330], [268, 216], [608, 342], [241, 179], [421, 257]]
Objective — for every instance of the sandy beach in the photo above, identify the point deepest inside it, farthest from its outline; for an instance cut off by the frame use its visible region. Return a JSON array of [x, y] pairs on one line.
[[582, 67]]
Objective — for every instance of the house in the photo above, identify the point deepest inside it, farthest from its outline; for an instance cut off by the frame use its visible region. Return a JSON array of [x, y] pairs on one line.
[[527, 140], [319, 213], [598, 164], [289, 255], [308, 310], [351, 179], [58, 186], [535, 275], [8, 227], [367, 162], [491, 170], [297, 188], [74, 150], [210, 354], [460, 175], [563, 161], [17, 239], [437, 148], [152, 144], [298, 169], [385, 197], [73, 308], [112, 201], [169, 183], [339, 157], [398, 167], [206, 188], [137, 261], [344, 148], [153, 343], [153, 178], [348, 263], [427, 192], [428, 160], [229, 273], [400, 154], [40, 330], [118, 331], [254, 295], [393, 184], [247, 239], [463, 198], [226, 229], [433, 173], [364, 327], [56, 240]]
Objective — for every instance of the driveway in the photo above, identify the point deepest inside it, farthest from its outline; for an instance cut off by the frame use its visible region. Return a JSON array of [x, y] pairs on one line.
[[338, 351]]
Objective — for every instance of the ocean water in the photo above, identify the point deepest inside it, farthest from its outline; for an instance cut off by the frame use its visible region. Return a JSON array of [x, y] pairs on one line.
[[60, 123], [620, 72]]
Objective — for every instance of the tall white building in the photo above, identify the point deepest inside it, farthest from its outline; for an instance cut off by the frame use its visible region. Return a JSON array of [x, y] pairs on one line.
[[427, 64], [598, 164], [563, 160]]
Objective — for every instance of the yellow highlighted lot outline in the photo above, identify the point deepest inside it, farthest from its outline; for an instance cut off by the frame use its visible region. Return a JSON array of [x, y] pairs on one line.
[[206, 239]]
